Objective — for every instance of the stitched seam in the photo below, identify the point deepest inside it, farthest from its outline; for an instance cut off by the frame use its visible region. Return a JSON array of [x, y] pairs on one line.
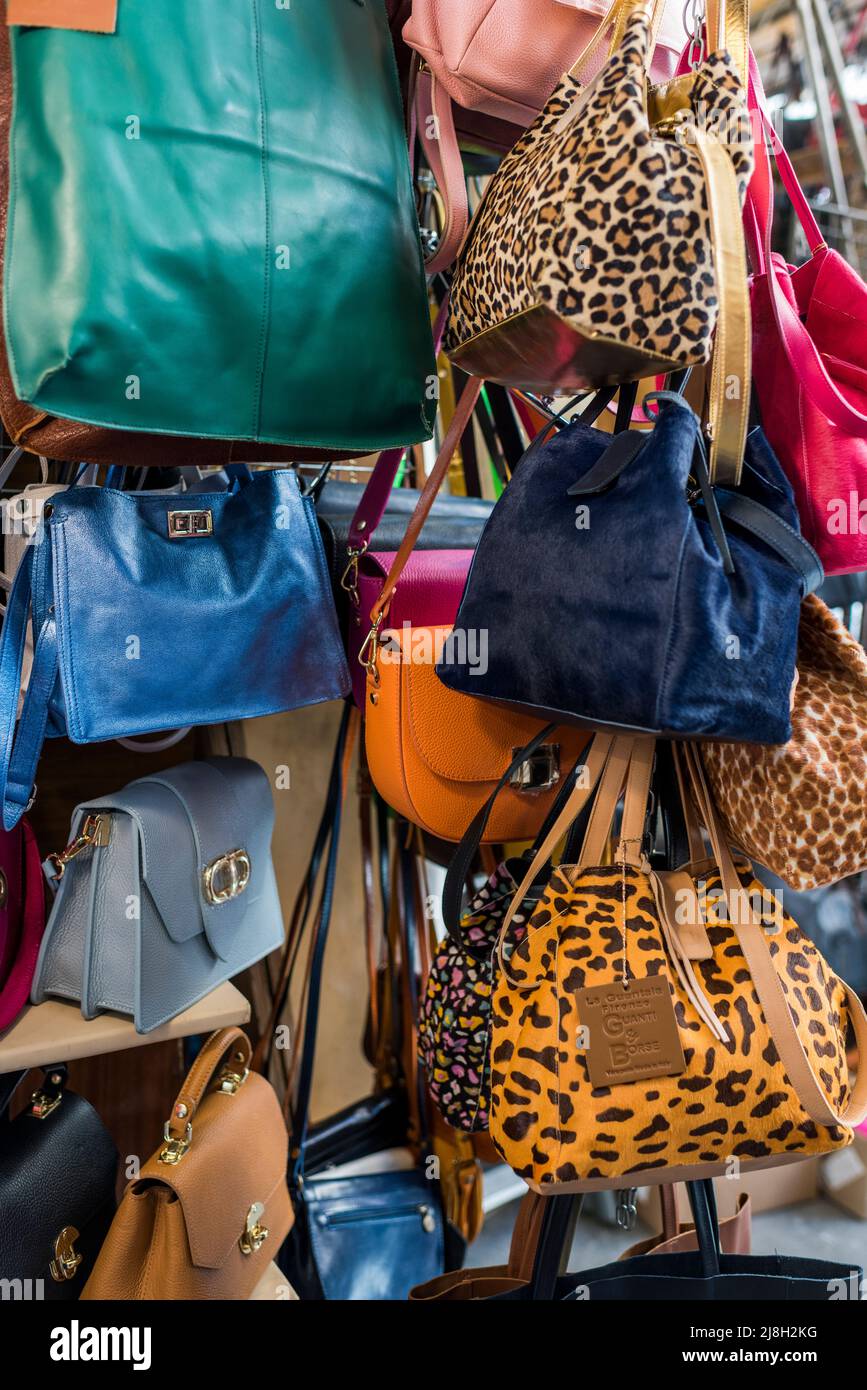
[[835, 310], [474, 35], [805, 465], [12, 205], [666, 668], [259, 384], [64, 647]]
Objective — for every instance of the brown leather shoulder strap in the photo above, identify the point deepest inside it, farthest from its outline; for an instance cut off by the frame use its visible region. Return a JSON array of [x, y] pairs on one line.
[[754, 944], [463, 411]]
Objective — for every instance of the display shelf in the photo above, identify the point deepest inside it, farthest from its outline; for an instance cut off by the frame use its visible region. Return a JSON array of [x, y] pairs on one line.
[[56, 1032]]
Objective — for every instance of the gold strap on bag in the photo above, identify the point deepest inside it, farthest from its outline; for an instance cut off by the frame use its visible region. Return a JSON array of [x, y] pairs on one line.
[[754, 945], [614, 23], [731, 367], [728, 26]]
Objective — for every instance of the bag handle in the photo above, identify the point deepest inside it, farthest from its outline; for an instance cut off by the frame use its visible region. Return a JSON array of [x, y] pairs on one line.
[[731, 364], [19, 754], [179, 1126], [374, 500], [803, 355], [607, 759], [435, 122], [461, 418], [760, 963], [615, 22]]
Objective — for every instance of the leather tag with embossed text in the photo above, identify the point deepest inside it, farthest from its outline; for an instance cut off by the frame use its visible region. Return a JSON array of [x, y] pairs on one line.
[[92, 16], [633, 1033]]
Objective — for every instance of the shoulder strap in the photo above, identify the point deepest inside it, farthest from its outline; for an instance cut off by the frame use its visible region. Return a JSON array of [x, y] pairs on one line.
[[333, 813], [753, 941], [19, 755]]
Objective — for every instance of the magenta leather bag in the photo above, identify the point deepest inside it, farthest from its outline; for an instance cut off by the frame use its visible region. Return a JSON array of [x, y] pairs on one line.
[[810, 364], [22, 918], [502, 59]]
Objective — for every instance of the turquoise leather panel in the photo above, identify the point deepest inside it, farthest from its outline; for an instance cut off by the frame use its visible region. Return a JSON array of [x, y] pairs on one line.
[[211, 226]]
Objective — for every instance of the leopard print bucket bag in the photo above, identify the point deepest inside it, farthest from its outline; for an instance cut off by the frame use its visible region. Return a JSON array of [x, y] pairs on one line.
[[610, 236], [799, 808], [662, 1026]]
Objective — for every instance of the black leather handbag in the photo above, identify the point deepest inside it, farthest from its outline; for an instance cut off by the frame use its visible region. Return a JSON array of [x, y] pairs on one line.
[[703, 1275], [58, 1172], [373, 1232]]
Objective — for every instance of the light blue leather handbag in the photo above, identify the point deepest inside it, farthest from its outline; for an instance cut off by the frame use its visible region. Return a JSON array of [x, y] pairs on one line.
[[154, 611], [165, 890]]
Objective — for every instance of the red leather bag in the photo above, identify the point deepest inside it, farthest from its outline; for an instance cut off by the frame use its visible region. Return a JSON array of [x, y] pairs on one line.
[[810, 364], [22, 918]]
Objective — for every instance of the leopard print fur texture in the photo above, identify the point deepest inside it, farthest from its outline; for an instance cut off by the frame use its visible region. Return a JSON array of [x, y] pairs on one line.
[[603, 221], [800, 809], [732, 1102]]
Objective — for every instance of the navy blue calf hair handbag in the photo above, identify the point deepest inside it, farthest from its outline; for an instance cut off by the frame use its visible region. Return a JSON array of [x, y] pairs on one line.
[[154, 611], [618, 588]]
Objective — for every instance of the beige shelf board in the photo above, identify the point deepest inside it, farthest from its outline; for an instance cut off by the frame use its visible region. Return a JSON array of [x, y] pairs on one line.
[[56, 1032]]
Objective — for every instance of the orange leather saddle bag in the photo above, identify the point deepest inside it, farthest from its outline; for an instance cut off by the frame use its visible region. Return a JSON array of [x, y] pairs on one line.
[[436, 756]]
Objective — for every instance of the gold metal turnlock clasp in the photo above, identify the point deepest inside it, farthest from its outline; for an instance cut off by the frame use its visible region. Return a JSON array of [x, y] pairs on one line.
[[226, 876], [96, 830], [174, 1149], [254, 1234], [66, 1257], [184, 525]]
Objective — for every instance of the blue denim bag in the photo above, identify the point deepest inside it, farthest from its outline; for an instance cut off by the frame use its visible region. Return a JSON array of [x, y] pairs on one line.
[[618, 589]]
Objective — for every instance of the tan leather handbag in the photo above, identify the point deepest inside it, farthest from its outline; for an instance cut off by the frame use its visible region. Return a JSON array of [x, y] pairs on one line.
[[210, 1208]]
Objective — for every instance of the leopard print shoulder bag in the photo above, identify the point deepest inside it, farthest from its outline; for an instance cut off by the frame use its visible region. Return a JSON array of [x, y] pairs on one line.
[[654, 1027]]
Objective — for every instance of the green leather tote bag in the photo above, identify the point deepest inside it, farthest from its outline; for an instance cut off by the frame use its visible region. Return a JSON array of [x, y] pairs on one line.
[[211, 225]]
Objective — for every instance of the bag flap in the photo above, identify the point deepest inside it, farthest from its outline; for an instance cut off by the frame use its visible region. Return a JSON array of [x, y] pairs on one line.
[[205, 833], [238, 1156], [459, 738], [58, 1171]]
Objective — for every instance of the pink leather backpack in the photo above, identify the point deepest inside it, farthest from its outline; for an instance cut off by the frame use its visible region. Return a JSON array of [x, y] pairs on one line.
[[503, 59]]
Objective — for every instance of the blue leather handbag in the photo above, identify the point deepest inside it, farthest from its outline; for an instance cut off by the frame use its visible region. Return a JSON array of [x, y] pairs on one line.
[[150, 612], [617, 588], [165, 890], [368, 1220]]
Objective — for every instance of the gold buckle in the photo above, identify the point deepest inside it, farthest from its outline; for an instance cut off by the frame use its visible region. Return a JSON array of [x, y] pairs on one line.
[[66, 1257], [183, 525], [174, 1149], [43, 1104], [349, 578], [235, 864], [231, 1081], [368, 661], [95, 831], [254, 1234]]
